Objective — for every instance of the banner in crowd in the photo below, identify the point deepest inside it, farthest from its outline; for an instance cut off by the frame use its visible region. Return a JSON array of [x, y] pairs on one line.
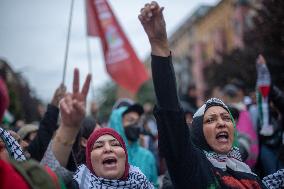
[[121, 61]]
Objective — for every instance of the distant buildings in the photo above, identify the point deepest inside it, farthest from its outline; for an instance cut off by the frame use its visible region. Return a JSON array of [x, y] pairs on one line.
[[205, 36]]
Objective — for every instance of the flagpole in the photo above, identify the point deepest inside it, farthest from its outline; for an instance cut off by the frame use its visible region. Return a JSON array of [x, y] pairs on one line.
[[89, 55], [90, 65], [67, 41]]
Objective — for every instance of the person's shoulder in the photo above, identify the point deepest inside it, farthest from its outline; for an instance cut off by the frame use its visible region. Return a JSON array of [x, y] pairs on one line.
[[147, 153]]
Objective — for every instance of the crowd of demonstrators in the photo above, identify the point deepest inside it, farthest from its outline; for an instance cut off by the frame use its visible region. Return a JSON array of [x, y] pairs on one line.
[[150, 133], [232, 141], [263, 151]]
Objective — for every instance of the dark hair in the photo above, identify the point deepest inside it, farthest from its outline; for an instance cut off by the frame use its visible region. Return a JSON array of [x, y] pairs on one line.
[[239, 84], [87, 127], [134, 108]]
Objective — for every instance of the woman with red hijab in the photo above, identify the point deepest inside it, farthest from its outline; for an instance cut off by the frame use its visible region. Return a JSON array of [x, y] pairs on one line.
[[106, 155], [107, 163]]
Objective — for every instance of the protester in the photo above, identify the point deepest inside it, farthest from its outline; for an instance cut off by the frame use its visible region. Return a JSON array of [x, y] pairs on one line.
[[47, 126], [94, 110], [18, 125], [15, 172], [28, 132], [191, 97], [24, 145], [247, 135], [88, 125], [106, 154], [189, 111], [107, 163], [271, 145], [207, 156], [150, 131], [126, 121]]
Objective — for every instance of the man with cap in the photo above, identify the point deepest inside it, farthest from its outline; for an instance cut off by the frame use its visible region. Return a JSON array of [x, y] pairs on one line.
[[126, 121]]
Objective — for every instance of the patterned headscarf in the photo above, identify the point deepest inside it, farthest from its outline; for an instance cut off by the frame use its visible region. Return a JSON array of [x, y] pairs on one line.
[[87, 180], [233, 157], [92, 139], [12, 146]]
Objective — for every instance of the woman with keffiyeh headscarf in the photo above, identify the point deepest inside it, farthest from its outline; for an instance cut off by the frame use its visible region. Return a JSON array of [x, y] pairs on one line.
[[206, 156]]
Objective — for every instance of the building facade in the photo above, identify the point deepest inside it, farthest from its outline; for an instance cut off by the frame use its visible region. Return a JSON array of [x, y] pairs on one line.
[[209, 33]]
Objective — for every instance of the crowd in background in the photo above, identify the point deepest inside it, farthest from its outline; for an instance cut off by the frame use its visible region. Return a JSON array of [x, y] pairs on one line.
[[136, 126], [264, 154]]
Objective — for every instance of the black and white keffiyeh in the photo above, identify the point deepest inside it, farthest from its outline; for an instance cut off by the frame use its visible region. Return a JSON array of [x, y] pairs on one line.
[[232, 160], [275, 180], [135, 180], [12, 146]]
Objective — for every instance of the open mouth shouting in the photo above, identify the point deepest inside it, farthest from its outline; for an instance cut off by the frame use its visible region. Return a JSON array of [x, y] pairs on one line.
[[109, 162], [222, 137]]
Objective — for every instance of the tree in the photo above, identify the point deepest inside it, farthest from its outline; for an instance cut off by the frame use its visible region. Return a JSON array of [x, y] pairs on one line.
[[267, 38], [146, 93], [107, 97]]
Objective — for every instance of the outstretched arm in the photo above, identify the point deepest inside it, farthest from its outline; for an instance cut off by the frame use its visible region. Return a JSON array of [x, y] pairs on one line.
[[174, 140], [72, 110], [152, 20]]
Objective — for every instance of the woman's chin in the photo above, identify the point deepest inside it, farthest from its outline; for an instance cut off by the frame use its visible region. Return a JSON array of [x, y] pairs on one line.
[[223, 149]]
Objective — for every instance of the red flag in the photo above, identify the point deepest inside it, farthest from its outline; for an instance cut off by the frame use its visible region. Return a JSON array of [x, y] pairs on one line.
[[122, 63]]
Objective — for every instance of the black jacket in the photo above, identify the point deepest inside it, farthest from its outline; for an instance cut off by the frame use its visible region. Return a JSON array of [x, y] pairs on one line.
[[277, 97], [47, 127]]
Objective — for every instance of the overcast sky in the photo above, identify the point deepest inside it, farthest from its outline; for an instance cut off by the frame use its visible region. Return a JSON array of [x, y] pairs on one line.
[[33, 36]]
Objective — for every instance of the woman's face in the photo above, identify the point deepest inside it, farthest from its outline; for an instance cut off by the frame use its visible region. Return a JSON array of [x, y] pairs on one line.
[[108, 158], [218, 129]]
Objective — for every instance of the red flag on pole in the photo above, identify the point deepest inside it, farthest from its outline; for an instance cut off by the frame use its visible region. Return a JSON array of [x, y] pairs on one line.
[[122, 63]]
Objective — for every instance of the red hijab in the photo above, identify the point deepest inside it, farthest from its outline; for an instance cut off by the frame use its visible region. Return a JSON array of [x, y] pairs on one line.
[[92, 139]]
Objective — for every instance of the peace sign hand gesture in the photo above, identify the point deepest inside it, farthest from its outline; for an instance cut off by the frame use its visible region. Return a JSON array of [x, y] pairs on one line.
[[73, 105]]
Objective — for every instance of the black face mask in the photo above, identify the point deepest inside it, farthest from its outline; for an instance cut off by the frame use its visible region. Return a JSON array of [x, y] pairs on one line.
[[132, 132]]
